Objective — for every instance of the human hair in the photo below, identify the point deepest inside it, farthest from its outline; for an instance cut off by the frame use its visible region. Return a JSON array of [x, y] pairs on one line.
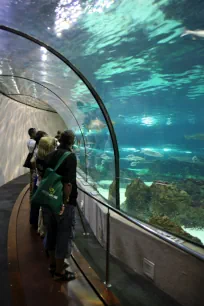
[[31, 131], [66, 139], [58, 135], [39, 135], [46, 145]]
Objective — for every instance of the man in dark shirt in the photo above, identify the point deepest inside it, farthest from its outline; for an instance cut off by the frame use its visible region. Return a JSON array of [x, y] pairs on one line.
[[60, 227], [67, 170]]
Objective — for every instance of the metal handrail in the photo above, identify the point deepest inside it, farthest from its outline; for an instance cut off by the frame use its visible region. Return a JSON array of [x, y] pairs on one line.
[[145, 227]]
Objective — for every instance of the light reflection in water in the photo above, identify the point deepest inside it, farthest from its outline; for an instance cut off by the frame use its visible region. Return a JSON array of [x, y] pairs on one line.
[[68, 12]]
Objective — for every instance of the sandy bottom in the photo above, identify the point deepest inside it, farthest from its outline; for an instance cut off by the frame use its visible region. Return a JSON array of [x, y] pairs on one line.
[[199, 233]]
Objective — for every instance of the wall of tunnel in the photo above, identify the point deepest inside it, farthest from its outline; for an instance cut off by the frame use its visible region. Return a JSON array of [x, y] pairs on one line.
[[15, 120]]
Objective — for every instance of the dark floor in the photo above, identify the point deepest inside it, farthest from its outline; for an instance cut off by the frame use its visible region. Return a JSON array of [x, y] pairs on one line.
[[8, 195], [39, 287], [131, 289]]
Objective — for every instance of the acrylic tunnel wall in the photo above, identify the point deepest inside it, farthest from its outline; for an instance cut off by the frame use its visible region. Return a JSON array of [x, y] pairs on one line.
[[34, 76], [16, 119], [151, 82]]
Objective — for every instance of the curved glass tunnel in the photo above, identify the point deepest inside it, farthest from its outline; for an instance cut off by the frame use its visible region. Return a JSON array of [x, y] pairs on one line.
[[151, 82], [29, 76]]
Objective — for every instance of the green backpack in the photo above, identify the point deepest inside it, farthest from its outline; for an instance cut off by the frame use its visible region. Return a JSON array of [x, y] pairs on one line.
[[50, 191]]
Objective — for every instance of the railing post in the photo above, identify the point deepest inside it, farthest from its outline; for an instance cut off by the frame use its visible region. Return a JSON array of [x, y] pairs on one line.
[[85, 233], [108, 250]]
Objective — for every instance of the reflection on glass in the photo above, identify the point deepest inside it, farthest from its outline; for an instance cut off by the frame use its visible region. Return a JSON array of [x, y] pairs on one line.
[[100, 156], [69, 11]]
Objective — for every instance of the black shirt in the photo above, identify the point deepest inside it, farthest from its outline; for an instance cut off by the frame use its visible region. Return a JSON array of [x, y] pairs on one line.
[[67, 170]]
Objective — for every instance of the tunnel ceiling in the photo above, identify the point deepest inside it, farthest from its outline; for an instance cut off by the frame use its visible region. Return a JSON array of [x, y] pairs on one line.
[[131, 51], [34, 76], [125, 48]]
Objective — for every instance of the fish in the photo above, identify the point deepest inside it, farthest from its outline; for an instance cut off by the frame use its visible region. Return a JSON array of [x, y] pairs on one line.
[[195, 137], [195, 159], [182, 158], [152, 153], [133, 164], [139, 171], [138, 158], [198, 33], [97, 124], [134, 158], [130, 156], [105, 156]]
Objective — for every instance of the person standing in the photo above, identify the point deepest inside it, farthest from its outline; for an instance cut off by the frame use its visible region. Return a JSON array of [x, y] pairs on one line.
[[60, 227], [46, 145], [31, 145], [31, 142], [34, 213]]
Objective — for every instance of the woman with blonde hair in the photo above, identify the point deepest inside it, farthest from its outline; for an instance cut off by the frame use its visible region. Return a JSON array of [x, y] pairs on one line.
[[46, 145]]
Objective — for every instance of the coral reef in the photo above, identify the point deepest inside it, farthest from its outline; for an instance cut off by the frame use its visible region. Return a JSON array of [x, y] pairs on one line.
[[165, 223], [167, 199], [137, 195]]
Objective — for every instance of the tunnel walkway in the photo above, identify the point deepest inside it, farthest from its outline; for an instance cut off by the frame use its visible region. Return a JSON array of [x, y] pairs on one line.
[[8, 194], [29, 282]]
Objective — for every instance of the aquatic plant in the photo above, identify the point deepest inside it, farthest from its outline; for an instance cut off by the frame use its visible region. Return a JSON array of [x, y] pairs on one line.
[[165, 223]]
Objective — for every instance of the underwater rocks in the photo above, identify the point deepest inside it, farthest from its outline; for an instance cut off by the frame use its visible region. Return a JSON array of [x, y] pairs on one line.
[[195, 188], [137, 195], [112, 193], [168, 200], [165, 223], [161, 198]]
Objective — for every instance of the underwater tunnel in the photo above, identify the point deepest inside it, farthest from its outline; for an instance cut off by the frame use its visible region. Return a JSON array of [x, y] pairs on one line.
[[140, 162]]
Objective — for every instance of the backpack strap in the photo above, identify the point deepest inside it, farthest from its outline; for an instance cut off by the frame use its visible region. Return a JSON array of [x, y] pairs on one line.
[[60, 161]]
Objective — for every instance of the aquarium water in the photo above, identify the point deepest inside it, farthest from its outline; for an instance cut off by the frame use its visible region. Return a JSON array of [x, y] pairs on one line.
[[145, 59]]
